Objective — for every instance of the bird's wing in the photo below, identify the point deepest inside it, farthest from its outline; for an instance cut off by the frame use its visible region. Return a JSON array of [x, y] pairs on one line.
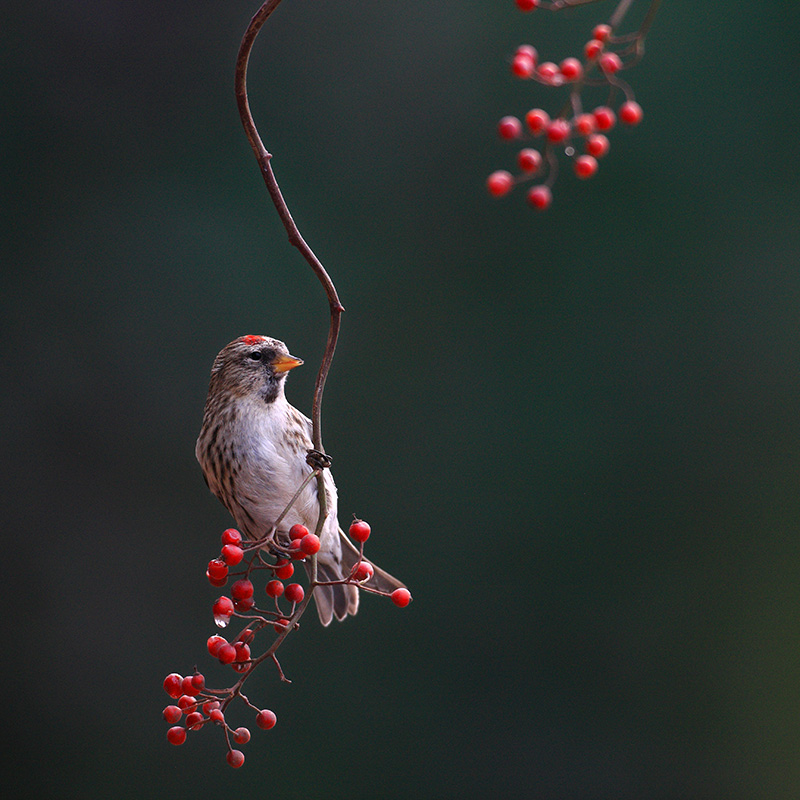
[[303, 421]]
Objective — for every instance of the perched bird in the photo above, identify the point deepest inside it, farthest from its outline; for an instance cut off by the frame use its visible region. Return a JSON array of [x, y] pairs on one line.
[[252, 449]]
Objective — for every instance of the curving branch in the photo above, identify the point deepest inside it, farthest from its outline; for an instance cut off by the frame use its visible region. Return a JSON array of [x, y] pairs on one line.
[[264, 161]]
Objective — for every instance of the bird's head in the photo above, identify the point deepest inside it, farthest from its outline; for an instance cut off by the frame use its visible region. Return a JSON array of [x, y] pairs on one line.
[[253, 365]]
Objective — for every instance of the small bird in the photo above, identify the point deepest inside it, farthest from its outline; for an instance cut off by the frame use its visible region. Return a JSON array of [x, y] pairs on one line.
[[252, 449]]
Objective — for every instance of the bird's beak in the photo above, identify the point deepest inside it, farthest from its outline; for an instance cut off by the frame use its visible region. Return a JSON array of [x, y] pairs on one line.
[[283, 363]]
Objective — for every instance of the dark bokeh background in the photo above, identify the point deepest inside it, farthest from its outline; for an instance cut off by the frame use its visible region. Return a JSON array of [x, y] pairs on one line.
[[575, 434]]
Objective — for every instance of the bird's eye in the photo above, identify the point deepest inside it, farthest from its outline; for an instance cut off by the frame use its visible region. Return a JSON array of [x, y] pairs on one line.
[[255, 355]]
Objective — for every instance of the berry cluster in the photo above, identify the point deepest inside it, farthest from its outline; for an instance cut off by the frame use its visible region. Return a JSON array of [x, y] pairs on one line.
[[202, 706], [197, 705], [581, 135]]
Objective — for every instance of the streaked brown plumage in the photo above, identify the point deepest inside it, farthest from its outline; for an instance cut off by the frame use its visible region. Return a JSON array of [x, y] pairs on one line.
[[252, 449]]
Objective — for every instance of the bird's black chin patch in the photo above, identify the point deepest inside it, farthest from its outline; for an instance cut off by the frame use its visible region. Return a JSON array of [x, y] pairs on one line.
[[272, 388]]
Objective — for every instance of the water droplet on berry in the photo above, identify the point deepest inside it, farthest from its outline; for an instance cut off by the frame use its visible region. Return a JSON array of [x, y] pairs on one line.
[[222, 620]]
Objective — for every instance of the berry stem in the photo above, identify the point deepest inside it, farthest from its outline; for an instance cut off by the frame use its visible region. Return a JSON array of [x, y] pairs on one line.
[[315, 474], [637, 37], [647, 22], [557, 5], [280, 670], [619, 14], [236, 689]]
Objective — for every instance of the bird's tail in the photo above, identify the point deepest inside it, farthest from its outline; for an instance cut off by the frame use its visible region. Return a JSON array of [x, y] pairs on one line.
[[342, 599]]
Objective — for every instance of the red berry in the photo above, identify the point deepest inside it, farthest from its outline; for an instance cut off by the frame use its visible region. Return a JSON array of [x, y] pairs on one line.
[[509, 128], [604, 118], [172, 714], [172, 685], [592, 49], [232, 555], [401, 597], [217, 583], [601, 32], [522, 65], [266, 719], [246, 636], [597, 145], [194, 721], [198, 681], [176, 735], [529, 160], [537, 120], [244, 605], [231, 536], [584, 124], [241, 736], [558, 130], [529, 51], [631, 113], [285, 570], [189, 688], [296, 552], [548, 72], [210, 705], [274, 588], [235, 758], [187, 703], [242, 589], [585, 166], [610, 63], [571, 69], [540, 197], [222, 608], [360, 530], [294, 593], [242, 652], [527, 5], [298, 531], [214, 643], [215, 715], [364, 571], [310, 544], [217, 570], [280, 625], [498, 184], [226, 654]]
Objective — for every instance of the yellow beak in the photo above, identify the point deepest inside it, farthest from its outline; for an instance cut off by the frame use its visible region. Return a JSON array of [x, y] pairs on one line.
[[283, 363]]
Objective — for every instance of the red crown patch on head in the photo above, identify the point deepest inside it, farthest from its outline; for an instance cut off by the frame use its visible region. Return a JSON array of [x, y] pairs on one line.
[[252, 339]]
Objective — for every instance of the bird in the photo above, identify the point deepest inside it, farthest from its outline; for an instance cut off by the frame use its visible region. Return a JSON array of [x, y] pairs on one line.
[[253, 447]]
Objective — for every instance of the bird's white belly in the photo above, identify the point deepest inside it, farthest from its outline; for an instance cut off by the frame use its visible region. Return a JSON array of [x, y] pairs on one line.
[[272, 470]]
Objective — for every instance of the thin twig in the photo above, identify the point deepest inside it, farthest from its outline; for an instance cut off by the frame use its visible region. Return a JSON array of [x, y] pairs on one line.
[[619, 13]]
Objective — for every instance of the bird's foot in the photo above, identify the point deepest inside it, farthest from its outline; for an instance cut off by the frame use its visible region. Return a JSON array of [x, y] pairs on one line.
[[318, 460]]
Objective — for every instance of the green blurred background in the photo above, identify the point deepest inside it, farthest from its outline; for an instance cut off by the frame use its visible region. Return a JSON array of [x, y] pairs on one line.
[[575, 434]]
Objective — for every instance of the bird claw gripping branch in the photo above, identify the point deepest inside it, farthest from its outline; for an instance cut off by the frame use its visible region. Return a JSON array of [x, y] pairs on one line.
[[318, 460]]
